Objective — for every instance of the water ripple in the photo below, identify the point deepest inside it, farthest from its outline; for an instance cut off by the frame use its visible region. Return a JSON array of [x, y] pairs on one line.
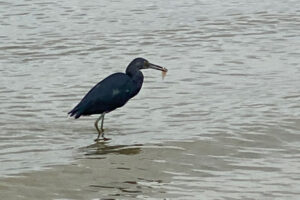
[[231, 96]]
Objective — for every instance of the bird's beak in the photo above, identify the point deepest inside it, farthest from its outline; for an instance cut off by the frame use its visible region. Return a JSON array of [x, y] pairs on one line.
[[153, 66]]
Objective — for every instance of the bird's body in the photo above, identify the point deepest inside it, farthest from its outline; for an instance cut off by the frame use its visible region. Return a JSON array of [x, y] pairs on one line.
[[110, 93], [113, 92]]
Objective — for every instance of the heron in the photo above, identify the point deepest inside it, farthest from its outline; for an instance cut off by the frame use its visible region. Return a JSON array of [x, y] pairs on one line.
[[113, 92]]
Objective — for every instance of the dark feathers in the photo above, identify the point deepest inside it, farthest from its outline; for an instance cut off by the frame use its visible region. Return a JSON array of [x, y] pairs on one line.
[[109, 94]]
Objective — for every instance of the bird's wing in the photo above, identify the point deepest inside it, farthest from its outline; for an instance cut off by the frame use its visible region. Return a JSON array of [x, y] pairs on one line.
[[109, 94], [115, 89]]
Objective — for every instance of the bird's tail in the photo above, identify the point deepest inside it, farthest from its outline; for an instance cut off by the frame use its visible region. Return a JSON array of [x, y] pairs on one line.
[[75, 112]]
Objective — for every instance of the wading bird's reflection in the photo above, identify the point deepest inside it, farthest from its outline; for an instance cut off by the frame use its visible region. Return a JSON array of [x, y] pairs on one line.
[[103, 148]]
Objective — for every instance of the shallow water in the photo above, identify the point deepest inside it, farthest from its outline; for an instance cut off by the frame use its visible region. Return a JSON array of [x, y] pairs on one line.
[[223, 124]]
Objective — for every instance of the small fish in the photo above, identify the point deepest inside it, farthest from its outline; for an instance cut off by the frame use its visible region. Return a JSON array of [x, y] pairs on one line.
[[164, 73]]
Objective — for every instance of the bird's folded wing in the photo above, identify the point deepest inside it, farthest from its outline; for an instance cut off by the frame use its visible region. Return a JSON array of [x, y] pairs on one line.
[[109, 94]]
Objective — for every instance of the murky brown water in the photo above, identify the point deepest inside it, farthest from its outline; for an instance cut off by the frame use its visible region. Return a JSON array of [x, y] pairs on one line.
[[224, 124]]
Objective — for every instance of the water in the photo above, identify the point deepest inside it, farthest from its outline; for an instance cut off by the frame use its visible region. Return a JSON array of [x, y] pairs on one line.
[[224, 124]]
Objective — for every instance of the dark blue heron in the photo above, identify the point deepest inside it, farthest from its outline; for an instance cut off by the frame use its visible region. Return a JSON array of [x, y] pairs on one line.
[[113, 92]]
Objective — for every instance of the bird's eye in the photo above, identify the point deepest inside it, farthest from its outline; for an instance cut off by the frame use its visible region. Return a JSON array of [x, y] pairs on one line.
[[146, 63]]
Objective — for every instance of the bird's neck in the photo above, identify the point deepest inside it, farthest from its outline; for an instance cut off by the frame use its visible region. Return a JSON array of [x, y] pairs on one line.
[[133, 72], [138, 78]]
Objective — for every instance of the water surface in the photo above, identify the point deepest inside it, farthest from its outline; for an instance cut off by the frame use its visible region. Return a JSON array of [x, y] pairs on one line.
[[223, 124]]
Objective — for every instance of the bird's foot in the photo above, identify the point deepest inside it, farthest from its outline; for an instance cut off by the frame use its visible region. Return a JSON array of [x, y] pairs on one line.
[[103, 138], [106, 139]]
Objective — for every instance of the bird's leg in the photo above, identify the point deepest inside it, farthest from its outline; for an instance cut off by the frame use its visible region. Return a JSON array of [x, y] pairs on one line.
[[102, 123], [104, 138], [101, 130], [96, 125]]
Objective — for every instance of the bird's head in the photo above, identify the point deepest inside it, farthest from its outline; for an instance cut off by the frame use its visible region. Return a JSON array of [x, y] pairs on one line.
[[141, 63]]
